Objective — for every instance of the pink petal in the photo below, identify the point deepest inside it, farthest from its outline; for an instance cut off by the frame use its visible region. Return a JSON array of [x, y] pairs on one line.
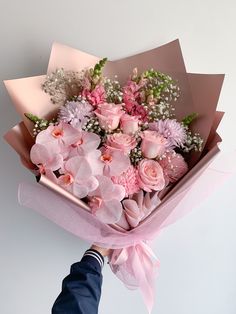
[[80, 190], [119, 164], [45, 138], [118, 192], [55, 163], [39, 154], [92, 184], [78, 167], [94, 159], [84, 172], [91, 141], [71, 135], [104, 189]]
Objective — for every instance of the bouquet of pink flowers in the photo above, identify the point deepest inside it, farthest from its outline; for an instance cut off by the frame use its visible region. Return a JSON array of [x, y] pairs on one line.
[[117, 151], [109, 142]]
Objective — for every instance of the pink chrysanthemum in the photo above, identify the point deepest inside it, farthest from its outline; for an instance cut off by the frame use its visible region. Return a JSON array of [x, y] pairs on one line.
[[129, 180], [172, 130], [76, 113], [174, 166]]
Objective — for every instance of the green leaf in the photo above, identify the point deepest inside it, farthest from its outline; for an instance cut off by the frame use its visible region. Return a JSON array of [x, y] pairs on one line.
[[189, 119], [32, 117], [42, 123]]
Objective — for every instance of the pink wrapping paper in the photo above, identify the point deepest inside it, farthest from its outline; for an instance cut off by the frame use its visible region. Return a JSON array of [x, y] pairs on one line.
[[132, 261]]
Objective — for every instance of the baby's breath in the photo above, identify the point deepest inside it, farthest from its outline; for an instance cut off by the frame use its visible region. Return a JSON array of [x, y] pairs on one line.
[[93, 126], [113, 90], [63, 85], [193, 142], [162, 110], [136, 155], [158, 91]]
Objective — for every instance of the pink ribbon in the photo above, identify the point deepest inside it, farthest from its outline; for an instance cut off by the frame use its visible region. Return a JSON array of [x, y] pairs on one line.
[[137, 267]]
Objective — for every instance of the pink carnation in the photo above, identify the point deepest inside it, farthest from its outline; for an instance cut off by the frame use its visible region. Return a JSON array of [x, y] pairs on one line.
[[174, 166], [129, 180]]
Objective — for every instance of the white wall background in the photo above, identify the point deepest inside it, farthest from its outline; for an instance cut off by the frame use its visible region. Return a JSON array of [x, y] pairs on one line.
[[198, 254]]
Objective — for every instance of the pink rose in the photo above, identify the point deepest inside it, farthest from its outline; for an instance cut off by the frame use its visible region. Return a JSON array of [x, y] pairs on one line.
[[153, 144], [109, 115], [151, 175], [121, 141], [129, 124]]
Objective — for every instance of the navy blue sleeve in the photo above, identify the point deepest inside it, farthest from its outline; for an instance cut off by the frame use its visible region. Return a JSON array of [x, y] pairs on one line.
[[81, 289]]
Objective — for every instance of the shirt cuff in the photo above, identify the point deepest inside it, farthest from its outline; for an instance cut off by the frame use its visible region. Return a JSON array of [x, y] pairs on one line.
[[94, 257]]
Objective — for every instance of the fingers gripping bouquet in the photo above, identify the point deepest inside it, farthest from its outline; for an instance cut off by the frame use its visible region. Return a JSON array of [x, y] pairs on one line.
[[114, 139]]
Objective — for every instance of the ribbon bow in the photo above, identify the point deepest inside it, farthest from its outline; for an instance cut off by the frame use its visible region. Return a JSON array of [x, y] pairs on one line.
[[137, 267]]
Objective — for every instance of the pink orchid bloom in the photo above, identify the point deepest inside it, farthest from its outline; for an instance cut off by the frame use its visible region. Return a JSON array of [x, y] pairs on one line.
[[84, 143], [129, 180], [58, 137], [77, 177], [46, 160], [105, 201], [109, 162]]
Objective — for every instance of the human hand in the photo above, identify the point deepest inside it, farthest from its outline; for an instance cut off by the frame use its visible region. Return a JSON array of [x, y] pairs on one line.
[[103, 251]]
